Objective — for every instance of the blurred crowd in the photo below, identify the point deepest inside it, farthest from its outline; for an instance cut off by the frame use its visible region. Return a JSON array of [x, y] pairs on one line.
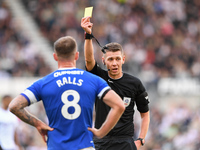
[[173, 128], [161, 38], [18, 57]]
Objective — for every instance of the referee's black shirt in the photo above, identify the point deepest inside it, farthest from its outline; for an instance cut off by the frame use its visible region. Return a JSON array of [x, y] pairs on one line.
[[132, 92]]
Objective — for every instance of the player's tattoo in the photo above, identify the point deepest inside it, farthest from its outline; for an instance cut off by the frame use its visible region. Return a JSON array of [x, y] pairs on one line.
[[21, 112]]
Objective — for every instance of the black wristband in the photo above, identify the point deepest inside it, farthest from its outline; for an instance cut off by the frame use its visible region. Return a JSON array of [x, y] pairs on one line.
[[141, 140], [88, 36]]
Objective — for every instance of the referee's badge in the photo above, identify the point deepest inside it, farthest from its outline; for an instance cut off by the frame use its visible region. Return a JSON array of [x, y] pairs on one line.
[[126, 101]]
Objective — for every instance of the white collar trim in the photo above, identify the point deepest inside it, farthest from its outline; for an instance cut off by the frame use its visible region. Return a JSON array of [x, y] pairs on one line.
[[67, 68]]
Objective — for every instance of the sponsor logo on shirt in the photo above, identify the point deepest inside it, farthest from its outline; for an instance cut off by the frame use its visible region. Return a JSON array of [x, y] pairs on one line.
[[110, 81], [60, 73]]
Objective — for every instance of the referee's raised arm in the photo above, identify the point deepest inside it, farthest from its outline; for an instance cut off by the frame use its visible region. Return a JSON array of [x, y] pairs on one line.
[[88, 47]]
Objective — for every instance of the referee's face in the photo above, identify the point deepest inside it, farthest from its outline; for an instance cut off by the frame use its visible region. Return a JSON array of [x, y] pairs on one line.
[[113, 62]]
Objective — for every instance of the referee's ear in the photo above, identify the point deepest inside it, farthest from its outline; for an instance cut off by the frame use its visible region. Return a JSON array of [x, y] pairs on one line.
[[55, 56], [103, 61], [123, 59]]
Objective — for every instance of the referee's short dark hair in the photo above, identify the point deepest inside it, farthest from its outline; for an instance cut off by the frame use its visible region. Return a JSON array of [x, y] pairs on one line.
[[114, 47]]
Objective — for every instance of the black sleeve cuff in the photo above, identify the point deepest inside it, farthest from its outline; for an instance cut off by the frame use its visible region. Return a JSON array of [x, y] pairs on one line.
[[105, 93]]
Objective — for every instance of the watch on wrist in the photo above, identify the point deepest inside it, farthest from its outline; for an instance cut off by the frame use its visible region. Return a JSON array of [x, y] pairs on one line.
[[141, 140]]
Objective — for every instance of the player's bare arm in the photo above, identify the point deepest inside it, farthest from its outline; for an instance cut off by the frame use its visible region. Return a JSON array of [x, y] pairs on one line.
[[145, 120], [117, 109], [17, 107], [88, 47]]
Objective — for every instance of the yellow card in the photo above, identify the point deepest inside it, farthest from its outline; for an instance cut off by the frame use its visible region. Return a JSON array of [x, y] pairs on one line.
[[88, 12]]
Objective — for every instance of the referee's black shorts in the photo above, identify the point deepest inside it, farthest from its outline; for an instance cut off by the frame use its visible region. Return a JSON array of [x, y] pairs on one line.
[[115, 143]]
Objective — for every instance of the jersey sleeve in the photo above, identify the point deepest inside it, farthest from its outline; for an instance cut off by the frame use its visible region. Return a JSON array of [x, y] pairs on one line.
[[32, 93], [103, 88], [96, 70], [142, 99]]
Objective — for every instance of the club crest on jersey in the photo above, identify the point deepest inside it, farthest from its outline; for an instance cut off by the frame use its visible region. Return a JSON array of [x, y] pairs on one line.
[[126, 101]]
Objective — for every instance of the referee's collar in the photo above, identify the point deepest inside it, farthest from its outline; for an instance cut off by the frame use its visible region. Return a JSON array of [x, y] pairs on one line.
[[117, 78]]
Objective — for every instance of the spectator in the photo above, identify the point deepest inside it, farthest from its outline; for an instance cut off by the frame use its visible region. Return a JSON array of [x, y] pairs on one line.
[[8, 126]]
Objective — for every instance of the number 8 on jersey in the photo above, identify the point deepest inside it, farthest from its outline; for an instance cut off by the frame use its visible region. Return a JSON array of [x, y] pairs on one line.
[[73, 103]]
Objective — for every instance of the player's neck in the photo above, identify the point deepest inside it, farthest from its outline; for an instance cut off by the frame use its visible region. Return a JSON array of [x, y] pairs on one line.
[[66, 65]]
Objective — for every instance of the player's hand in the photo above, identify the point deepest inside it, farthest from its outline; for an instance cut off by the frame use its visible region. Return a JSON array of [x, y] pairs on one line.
[[138, 144], [43, 129], [96, 132], [86, 25]]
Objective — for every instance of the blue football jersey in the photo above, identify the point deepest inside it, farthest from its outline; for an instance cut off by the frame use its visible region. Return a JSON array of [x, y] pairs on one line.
[[68, 96]]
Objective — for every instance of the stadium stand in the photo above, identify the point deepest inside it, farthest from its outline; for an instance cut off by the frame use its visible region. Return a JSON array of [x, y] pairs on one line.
[[18, 55]]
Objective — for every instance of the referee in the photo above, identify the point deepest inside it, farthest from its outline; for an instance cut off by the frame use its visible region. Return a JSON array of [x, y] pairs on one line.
[[128, 87]]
